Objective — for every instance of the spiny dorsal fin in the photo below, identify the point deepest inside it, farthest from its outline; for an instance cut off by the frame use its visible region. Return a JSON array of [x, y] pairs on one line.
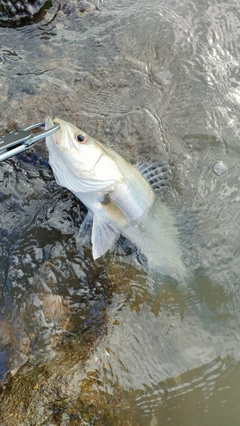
[[157, 174]]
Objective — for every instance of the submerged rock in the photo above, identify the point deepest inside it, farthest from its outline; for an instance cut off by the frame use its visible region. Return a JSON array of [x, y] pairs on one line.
[[59, 392], [220, 168], [75, 386], [14, 10]]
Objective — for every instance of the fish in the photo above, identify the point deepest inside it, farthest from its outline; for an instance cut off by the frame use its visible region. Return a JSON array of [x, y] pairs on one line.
[[119, 196]]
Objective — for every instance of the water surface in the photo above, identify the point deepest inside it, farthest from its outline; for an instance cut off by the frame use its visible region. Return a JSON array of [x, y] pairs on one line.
[[153, 79]]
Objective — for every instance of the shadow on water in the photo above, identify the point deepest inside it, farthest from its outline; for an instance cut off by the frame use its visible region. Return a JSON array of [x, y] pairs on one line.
[[99, 342]]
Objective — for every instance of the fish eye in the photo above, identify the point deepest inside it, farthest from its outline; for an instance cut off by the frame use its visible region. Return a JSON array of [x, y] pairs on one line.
[[81, 138]]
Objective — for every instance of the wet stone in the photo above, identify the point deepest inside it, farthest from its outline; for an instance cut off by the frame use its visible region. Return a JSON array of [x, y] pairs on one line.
[[46, 174], [14, 10], [84, 5], [38, 254], [220, 168], [33, 174]]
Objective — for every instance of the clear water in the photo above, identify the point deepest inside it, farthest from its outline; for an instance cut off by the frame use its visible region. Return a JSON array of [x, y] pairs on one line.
[[153, 79]]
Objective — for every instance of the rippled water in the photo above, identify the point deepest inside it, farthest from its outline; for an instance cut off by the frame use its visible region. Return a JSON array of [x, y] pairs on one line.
[[154, 79]]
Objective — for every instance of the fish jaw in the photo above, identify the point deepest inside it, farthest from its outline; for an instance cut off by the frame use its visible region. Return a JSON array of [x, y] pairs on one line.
[[56, 160]]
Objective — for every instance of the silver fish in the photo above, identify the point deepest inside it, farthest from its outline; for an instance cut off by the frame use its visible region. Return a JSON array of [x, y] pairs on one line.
[[119, 199]]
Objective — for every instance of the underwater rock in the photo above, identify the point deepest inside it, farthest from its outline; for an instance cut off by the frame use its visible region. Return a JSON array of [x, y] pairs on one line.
[[220, 168], [14, 10]]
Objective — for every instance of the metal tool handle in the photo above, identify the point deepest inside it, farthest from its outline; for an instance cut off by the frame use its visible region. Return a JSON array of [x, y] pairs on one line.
[[19, 141]]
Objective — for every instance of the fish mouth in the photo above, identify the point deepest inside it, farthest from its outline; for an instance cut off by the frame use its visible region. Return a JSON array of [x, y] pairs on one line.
[[50, 123], [61, 138]]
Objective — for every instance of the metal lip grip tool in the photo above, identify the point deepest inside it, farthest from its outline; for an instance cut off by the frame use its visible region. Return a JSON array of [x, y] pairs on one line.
[[21, 140]]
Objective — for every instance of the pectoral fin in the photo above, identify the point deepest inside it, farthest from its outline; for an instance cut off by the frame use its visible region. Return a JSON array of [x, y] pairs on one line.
[[104, 236]]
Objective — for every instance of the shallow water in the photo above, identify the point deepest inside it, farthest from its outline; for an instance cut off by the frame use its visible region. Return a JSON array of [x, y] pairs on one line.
[[154, 80]]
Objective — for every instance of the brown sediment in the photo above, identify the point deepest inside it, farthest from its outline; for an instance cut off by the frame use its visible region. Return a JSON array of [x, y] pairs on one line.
[[74, 387]]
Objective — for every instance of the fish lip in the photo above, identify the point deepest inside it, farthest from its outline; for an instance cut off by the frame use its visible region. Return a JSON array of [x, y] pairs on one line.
[[63, 138], [57, 137], [49, 122]]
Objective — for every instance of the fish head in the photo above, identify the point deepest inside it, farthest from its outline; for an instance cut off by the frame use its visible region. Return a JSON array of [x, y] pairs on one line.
[[75, 147], [79, 162]]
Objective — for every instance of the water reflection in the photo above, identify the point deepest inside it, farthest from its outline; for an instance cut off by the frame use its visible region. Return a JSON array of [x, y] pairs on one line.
[[153, 79]]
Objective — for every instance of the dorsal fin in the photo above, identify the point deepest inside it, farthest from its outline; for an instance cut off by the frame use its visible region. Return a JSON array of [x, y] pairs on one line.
[[157, 174]]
